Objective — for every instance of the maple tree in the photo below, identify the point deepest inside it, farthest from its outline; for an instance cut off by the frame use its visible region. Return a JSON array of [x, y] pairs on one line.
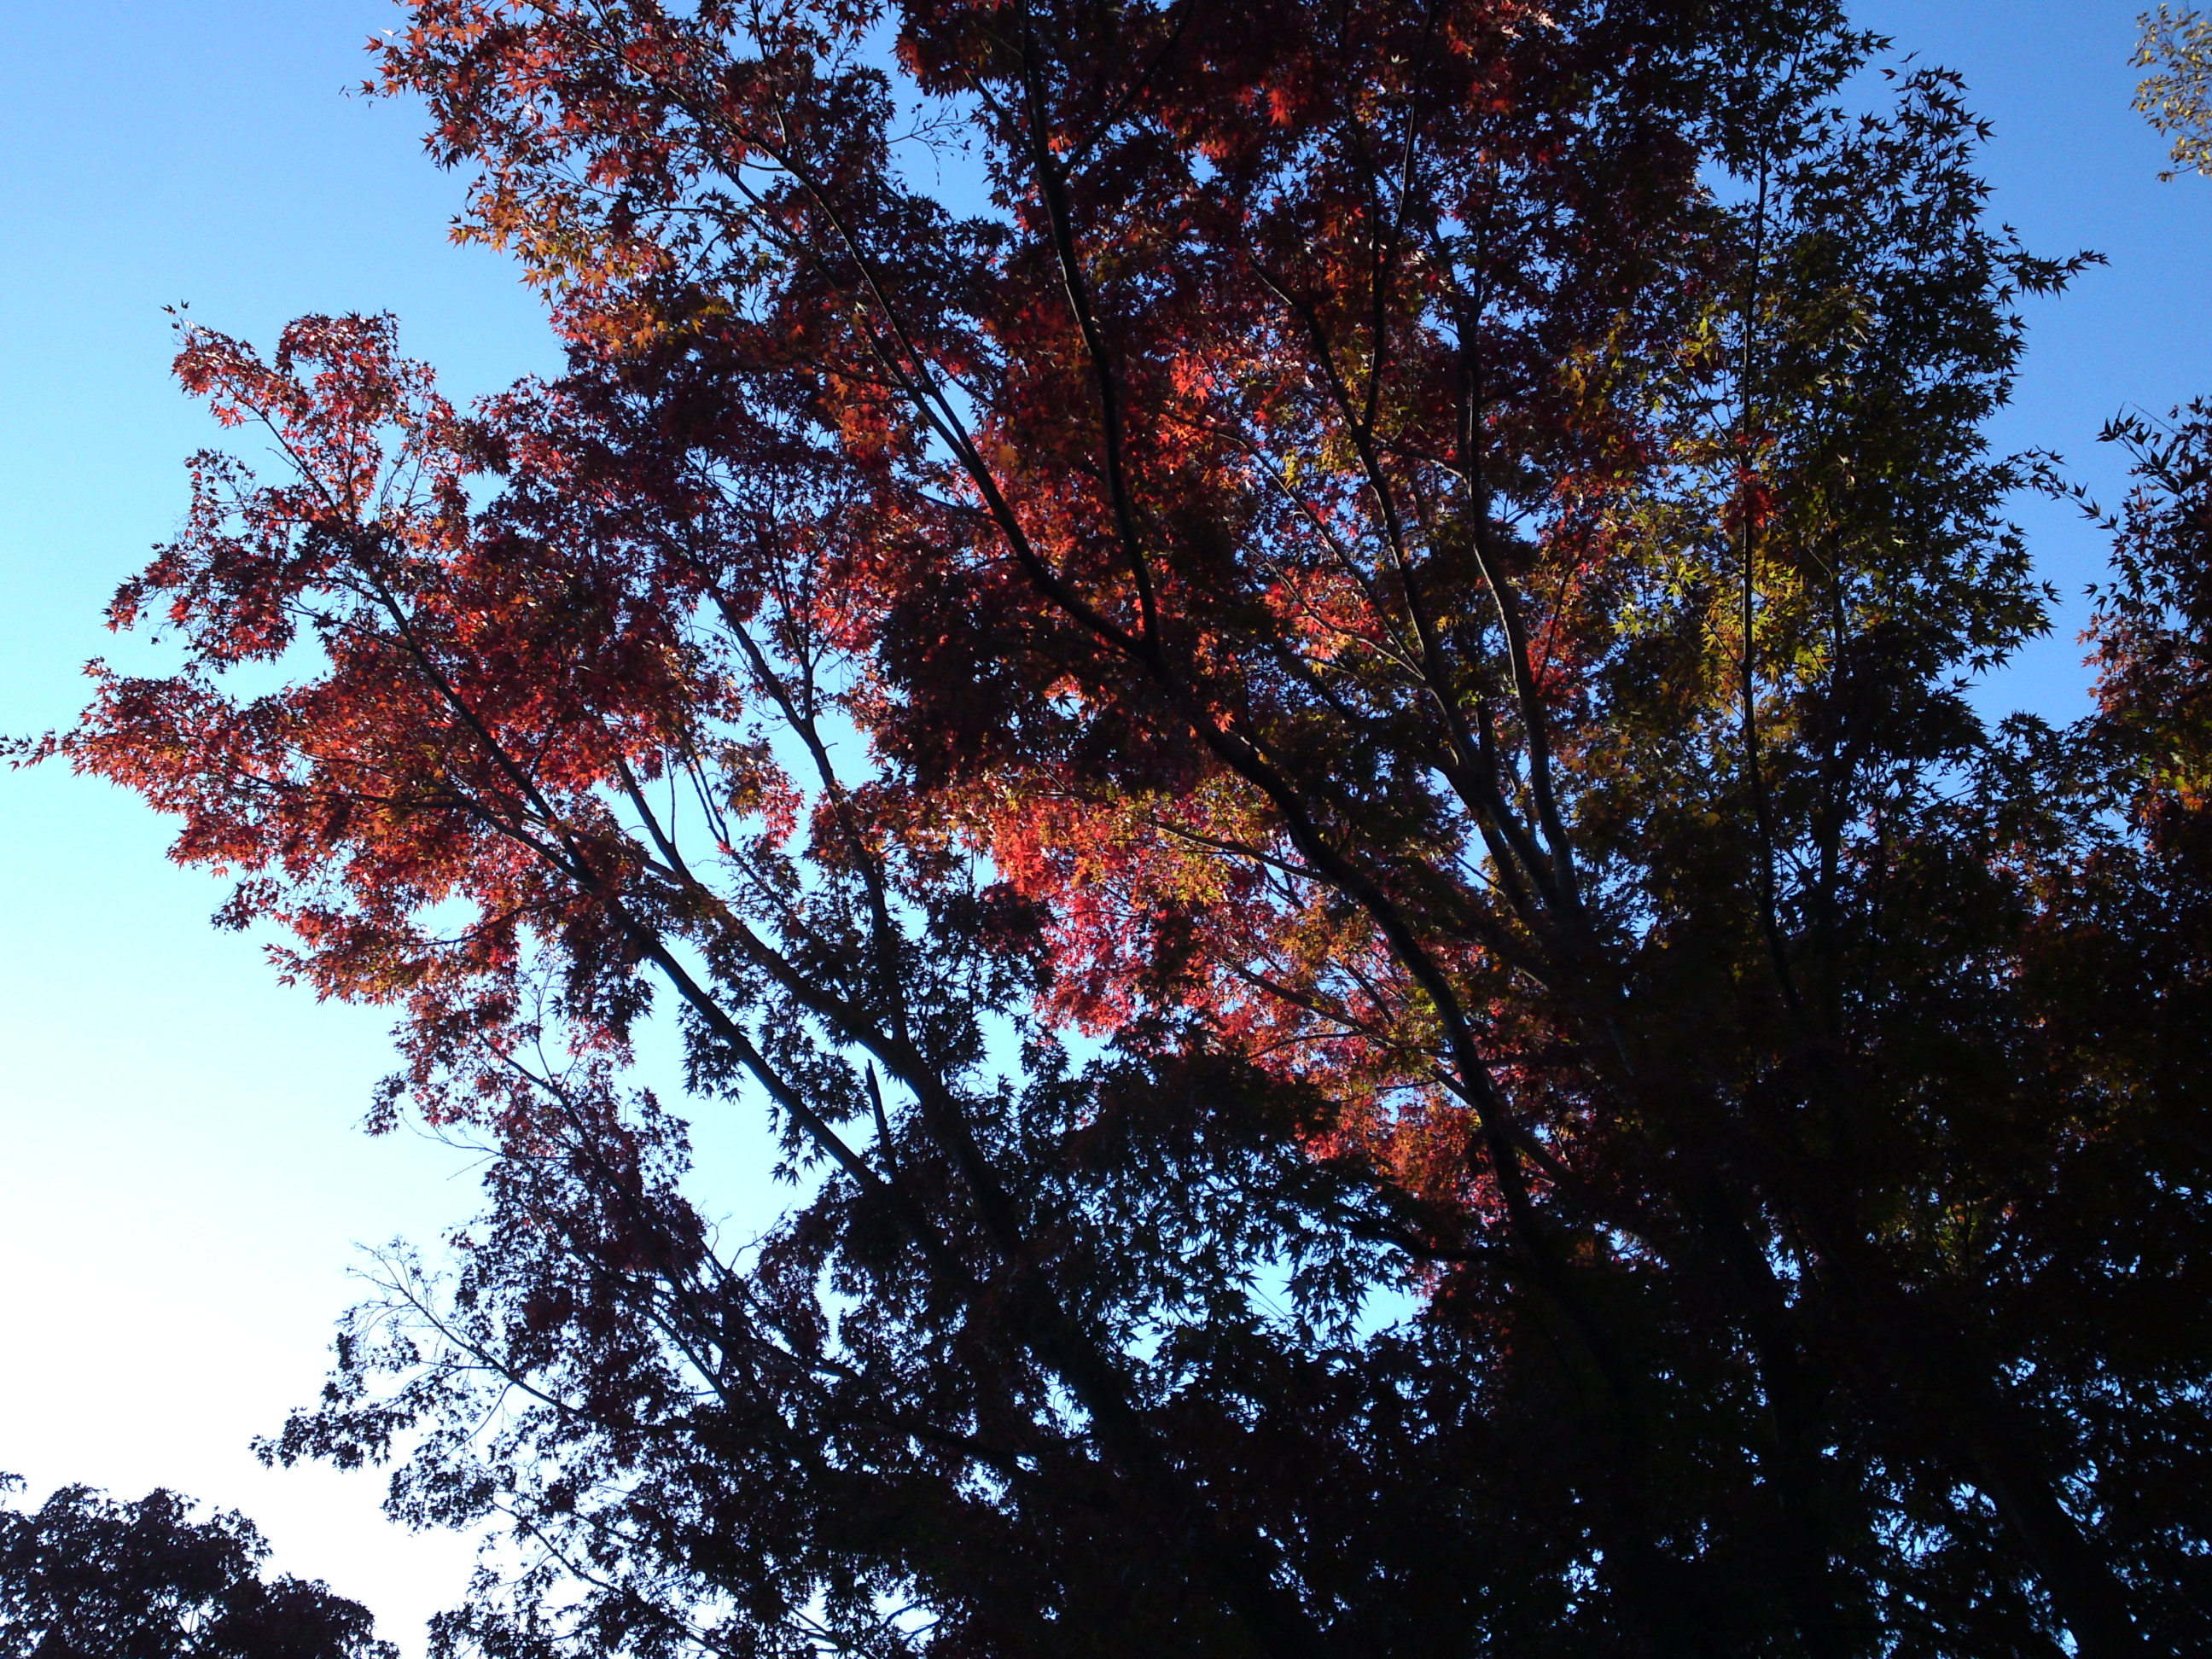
[[1291, 683]]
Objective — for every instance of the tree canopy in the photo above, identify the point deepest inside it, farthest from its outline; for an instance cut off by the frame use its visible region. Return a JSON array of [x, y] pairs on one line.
[[2177, 48], [83, 1577], [1292, 683]]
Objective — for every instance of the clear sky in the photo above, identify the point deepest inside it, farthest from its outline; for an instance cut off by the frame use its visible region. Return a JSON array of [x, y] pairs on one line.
[[182, 1186]]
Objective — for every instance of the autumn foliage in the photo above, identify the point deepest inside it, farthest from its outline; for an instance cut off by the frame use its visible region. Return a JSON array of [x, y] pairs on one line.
[[1291, 684]]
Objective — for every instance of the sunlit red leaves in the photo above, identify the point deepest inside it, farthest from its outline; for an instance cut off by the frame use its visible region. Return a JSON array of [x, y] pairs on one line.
[[465, 686], [1277, 519], [1271, 530]]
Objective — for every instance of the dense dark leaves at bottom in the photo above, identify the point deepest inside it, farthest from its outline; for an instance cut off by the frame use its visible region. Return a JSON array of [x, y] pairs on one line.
[[84, 1577]]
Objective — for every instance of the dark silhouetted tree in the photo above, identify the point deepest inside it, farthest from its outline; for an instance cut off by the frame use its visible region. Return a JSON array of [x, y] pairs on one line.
[[83, 1577]]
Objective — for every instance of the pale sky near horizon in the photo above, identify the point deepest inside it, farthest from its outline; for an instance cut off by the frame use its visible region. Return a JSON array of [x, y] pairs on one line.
[[182, 1183]]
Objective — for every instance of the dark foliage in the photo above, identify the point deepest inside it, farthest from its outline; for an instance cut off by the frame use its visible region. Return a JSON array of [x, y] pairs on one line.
[[83, 1577]]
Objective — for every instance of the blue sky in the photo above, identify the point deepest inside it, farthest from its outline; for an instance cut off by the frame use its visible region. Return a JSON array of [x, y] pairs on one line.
[[181, 1182], [182, 1185]]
